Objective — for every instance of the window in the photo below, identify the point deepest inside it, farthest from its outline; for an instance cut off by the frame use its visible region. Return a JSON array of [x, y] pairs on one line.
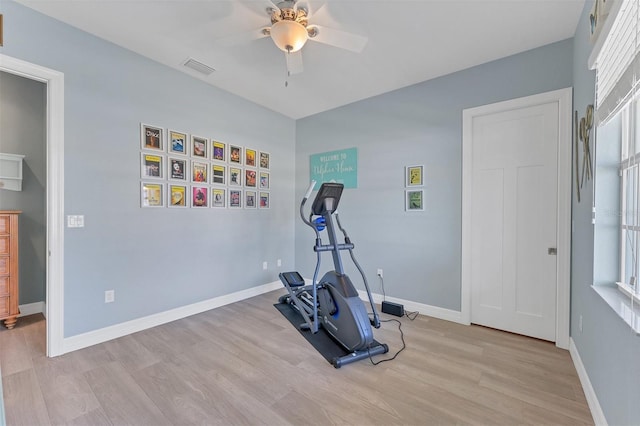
[[630, 198], [617, 63]]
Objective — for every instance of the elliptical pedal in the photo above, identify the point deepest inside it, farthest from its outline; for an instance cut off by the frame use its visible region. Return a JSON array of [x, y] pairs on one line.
[[293, 279]]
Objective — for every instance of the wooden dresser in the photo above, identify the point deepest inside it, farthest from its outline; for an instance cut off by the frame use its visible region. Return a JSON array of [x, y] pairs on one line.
[[9, 310]]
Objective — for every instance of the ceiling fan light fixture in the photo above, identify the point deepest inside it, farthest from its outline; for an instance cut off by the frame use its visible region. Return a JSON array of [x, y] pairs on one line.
[[289, 35]]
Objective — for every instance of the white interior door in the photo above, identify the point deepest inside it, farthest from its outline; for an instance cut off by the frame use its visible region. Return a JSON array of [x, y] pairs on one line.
[[514, 213]]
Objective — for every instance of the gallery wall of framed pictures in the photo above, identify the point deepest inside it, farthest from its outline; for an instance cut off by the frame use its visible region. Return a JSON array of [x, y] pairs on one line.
[[183, 170]]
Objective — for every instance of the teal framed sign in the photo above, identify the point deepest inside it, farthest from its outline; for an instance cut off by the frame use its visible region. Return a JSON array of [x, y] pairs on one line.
[[335, 166]]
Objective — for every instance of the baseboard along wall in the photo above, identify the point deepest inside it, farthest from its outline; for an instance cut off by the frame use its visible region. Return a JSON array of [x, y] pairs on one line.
[[123, 329], [594, 405]]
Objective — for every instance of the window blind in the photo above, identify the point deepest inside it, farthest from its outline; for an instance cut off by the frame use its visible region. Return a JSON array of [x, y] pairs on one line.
[[618, 63]]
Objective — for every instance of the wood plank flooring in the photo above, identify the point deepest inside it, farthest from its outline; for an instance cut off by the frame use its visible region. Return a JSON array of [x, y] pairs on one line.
[[244, 364]]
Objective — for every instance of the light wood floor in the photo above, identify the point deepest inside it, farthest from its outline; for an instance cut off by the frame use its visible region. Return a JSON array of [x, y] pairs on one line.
[[244, 364]]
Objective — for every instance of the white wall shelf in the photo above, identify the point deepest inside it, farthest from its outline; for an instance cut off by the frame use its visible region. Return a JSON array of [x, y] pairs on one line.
[[11, 171]]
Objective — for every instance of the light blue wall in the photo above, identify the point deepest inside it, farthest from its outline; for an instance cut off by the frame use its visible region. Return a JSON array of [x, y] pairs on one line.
[[154, 259], [23, 105], [420, 252], [607, 346]]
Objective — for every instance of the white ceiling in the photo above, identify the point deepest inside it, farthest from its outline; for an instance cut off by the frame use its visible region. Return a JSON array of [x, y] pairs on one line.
[[409, 41]]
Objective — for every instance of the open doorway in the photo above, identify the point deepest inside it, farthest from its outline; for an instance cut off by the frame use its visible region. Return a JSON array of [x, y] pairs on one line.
[[23, 120], [54, 193]]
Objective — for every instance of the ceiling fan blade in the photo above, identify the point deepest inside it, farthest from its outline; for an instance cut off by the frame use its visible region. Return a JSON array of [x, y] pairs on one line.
[[303, 4], [242, 38], [294, 62], [311, 10], [338, 38], [260, 6]]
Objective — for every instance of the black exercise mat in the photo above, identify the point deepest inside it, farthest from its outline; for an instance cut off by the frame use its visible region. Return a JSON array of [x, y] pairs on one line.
[[322, 341]]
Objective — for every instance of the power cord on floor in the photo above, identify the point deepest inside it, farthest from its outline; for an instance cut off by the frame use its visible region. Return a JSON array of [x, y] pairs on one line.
[[397, 353], [409, 315]]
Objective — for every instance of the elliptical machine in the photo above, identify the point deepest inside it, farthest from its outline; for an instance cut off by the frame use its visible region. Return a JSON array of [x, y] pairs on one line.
[[333, 302]]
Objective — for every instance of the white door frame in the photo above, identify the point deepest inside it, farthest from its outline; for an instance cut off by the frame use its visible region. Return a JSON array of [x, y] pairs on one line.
[[564, 99], [54, 81]]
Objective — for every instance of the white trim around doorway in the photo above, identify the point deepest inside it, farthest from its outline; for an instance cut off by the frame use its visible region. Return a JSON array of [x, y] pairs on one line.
[[55, 193]]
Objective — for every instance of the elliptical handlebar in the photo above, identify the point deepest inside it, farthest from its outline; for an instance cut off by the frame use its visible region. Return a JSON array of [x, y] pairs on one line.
[[376, 319], [313, 325], [309, 191], [304, 201]]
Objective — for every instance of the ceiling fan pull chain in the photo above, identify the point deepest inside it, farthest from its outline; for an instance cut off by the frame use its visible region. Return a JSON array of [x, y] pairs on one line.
[[286, 80]]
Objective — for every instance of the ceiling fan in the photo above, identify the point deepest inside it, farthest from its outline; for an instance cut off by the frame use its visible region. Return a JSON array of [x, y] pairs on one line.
[[290, 30]]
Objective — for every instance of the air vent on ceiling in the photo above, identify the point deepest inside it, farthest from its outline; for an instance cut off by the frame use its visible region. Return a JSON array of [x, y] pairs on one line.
[[199, 66]]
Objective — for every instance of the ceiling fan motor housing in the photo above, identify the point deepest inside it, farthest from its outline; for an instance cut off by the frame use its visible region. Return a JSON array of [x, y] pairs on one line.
[[289, 26], [288, 12]]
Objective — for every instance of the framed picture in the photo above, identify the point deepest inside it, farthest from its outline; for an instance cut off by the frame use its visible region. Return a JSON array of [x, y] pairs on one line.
[[177, 168], [177, 196], [151, 137], [264, 160], [235, 198], [152, 166], [264, 200], [250, 179], [235, 176], [235, 154], [414, 176], [199, 171], [414, 200], [250, 199], [199, 147], [151, 195], [218, 174], [264, 180], [218, 197], [199, 196], [218, 150], [250, 157], [177, 142]]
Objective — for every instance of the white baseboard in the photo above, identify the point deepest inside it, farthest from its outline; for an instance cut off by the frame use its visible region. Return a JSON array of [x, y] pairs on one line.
[[596, 411], [33, 308], [423, 309], [113, 332]]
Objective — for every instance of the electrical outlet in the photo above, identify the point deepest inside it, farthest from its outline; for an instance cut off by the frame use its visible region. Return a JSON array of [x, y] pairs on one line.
[[279, 262], [75, 221], [265, 265], [380, 273], [109, 296]]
